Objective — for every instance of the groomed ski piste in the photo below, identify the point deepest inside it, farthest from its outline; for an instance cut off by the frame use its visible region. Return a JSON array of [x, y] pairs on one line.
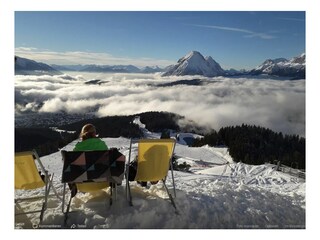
[[216, 193]]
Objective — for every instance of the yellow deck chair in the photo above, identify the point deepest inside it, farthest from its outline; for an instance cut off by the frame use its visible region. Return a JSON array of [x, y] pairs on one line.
[[91, 171], [90, 187], [153, 162], [27, 176]]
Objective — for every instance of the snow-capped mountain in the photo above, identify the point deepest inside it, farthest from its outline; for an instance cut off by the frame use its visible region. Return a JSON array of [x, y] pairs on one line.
[[282, 67], [195, 64], [24, 66]]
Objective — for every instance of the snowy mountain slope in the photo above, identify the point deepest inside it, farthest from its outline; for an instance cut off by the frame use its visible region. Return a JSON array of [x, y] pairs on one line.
[[210, 196], [195, 64], [294, 67]]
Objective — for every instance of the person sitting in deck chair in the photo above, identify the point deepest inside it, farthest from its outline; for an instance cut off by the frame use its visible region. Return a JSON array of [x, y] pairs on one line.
[[89, 141]]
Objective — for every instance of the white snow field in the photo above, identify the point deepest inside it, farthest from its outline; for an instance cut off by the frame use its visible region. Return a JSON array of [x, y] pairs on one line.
[[217, 193]]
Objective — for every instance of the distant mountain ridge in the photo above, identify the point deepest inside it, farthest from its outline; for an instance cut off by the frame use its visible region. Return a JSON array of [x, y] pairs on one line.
[[24, 66], [282, 67], [194, 63], [108, 68]]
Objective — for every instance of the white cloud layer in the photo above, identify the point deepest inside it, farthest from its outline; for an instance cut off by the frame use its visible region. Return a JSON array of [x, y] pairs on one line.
[[217, 102]]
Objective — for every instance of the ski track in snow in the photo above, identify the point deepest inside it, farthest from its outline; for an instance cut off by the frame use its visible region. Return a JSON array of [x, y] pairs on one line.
[[216, 194]]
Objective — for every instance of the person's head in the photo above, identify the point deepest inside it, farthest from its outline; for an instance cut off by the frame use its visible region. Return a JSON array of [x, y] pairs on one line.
[[88, 131]]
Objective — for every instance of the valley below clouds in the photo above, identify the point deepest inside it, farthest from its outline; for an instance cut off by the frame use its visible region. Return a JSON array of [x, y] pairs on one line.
[[209, 102]]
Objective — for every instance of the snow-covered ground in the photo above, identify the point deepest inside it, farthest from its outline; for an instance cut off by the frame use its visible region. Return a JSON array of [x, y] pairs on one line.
[[216, 194]]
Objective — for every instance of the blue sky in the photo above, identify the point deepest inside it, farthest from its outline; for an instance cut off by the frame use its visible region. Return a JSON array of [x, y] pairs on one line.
[[235, 39]]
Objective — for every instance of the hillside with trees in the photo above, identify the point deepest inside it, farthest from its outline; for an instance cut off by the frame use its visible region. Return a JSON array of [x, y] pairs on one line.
[[258, 145], [46, 141], [43, 140], [247, 144]]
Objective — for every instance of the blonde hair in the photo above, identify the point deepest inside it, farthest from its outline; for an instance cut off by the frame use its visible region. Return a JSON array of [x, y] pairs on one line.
[[88, 131]]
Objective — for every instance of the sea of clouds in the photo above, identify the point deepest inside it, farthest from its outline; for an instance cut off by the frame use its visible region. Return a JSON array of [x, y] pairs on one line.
[[212, 102]]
